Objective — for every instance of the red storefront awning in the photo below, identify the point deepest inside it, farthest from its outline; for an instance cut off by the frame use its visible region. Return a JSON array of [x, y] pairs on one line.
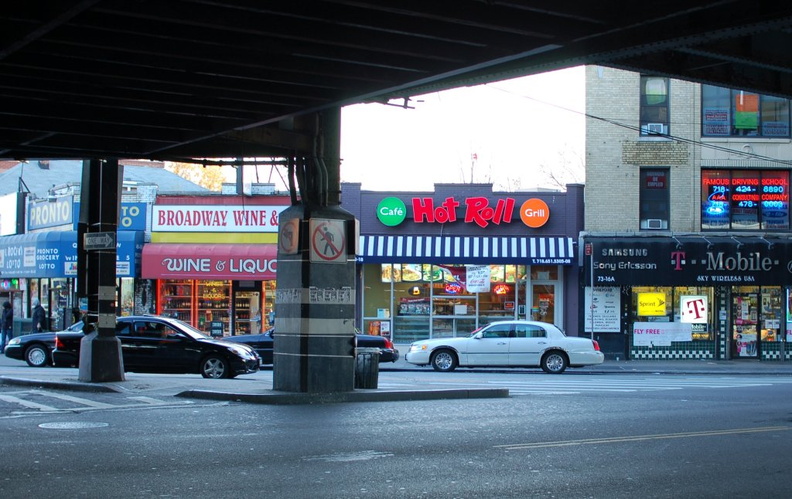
[[239, 262]]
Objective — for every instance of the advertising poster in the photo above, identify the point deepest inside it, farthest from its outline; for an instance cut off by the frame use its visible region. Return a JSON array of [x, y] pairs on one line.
[[602, 310], [478, 278], [661, 334]]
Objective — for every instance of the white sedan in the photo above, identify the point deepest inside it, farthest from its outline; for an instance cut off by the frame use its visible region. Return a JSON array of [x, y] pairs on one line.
[[508, 344]]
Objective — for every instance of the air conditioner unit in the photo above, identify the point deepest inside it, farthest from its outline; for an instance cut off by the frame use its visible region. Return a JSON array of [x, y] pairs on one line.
[[654, 224], [655, 128]]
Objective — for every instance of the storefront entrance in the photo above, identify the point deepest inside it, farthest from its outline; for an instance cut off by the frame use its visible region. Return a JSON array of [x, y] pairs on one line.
[[755, 318]]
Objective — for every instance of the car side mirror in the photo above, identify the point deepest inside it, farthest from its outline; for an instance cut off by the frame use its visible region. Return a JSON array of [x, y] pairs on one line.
[[478, 336]]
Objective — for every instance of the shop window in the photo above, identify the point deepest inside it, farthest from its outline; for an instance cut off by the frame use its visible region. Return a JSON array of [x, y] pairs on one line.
[[654, 199], [685, 304], [542, 272], [745, 200], [654, 114], [736, 113]]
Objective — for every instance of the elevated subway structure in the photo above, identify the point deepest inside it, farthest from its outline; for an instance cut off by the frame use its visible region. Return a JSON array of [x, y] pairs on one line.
[[185, 81]]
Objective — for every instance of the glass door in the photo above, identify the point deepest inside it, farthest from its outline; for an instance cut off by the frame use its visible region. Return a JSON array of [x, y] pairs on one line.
[[745, 322], [247, 312], [543, 303]]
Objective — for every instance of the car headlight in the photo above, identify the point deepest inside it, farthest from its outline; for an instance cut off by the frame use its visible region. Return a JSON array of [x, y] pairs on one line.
[[15, 341], [417, 347], [242, 352]]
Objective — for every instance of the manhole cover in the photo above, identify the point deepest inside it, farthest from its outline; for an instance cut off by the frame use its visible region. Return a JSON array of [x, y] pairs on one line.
[[76, 425]]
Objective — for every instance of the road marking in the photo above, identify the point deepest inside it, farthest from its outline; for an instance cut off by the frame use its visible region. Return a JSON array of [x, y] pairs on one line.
[[619, 384], [27, 403], [83, 404], [640, 438], [76, 400]]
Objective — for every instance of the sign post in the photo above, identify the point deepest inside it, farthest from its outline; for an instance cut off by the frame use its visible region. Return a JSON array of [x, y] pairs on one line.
[[97, 241]]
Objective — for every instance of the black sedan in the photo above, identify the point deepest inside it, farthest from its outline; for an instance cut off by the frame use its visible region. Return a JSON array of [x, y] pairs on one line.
[[164, 345], [263, 344], [36, 348]]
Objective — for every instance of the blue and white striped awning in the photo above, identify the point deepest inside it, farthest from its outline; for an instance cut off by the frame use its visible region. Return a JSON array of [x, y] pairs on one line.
[[466, 250]]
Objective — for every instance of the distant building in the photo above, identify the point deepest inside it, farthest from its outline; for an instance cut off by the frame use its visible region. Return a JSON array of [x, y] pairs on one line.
[[38, 177]]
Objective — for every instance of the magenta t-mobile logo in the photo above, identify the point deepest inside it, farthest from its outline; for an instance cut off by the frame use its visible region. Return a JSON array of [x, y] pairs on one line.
[[677, 259], [696, 309]]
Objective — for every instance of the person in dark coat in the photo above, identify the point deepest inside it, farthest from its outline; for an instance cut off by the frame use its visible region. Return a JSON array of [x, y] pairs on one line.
[[39, 317], [6, 325]]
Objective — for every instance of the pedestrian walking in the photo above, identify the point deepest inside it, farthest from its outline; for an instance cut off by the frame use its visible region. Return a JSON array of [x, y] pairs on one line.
[[6, 325], [39, 317]]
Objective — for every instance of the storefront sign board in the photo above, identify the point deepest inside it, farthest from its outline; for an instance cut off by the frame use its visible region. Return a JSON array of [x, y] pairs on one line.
[[689, 261], [213, 218], [210, 261]]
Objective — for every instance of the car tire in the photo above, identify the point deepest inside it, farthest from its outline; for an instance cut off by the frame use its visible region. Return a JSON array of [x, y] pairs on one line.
[[554, 362], [444, 360], [37, 356], [215, 367]]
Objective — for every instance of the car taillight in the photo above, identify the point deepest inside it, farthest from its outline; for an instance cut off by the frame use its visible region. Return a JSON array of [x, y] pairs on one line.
[[58, 343], [388, 343], [596, 345]]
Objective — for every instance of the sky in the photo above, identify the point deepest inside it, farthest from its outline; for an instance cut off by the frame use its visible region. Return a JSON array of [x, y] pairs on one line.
[[511, 133]]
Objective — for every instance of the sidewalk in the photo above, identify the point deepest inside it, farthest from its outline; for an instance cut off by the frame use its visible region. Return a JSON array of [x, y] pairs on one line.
[[257, 388]]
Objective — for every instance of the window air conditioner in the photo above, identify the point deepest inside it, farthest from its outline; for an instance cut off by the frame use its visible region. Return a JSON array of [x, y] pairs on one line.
[[655, 223], [655, 128]]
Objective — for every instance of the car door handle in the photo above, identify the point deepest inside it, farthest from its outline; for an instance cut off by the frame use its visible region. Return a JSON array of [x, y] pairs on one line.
[[502, 343]]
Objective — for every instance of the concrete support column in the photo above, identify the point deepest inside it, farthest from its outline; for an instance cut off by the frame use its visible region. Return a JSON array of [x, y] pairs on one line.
[[100, 198], [315, 298]]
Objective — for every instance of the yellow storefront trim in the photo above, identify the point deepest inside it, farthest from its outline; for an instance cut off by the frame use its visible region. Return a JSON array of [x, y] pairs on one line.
[[215, 237]]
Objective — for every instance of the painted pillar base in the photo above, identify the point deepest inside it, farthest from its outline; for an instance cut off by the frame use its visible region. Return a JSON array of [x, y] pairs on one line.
[[100, 358], [315, 301]]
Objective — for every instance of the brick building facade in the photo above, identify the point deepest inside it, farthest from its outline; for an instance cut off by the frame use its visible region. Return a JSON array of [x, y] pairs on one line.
[[686, 240]]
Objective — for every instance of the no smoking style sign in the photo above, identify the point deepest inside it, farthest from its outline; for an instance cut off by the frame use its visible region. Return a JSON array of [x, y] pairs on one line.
[[328, 241]]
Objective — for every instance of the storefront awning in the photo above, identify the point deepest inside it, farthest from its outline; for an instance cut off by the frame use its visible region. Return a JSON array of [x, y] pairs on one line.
[[240, 262], [466, 250], [53, 254]]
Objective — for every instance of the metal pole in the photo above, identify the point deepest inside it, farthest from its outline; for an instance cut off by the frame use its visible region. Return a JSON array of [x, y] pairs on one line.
[[591, 298]]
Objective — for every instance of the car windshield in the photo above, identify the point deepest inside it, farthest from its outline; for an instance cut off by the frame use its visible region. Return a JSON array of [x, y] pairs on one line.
[[187, 329], [77, 326]]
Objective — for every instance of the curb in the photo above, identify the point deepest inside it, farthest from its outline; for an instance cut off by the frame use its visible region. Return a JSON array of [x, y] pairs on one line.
[[77, 386], [282, 398]]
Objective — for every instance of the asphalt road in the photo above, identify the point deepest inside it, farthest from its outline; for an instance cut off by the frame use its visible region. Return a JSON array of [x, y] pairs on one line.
[[711, 437]]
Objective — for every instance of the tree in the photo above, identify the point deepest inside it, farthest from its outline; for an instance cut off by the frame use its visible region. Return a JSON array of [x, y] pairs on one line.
[[211, 177], [570, 169]]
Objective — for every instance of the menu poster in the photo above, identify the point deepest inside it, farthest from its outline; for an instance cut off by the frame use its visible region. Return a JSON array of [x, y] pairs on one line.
[[602, 310]]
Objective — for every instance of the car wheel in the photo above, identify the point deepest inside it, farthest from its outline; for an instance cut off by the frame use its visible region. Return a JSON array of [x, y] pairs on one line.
[[215, 367], [554, 362], [37, 356], [444, 360]]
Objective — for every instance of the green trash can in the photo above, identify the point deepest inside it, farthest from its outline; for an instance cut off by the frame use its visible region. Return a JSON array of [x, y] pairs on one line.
[[366, 367]]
